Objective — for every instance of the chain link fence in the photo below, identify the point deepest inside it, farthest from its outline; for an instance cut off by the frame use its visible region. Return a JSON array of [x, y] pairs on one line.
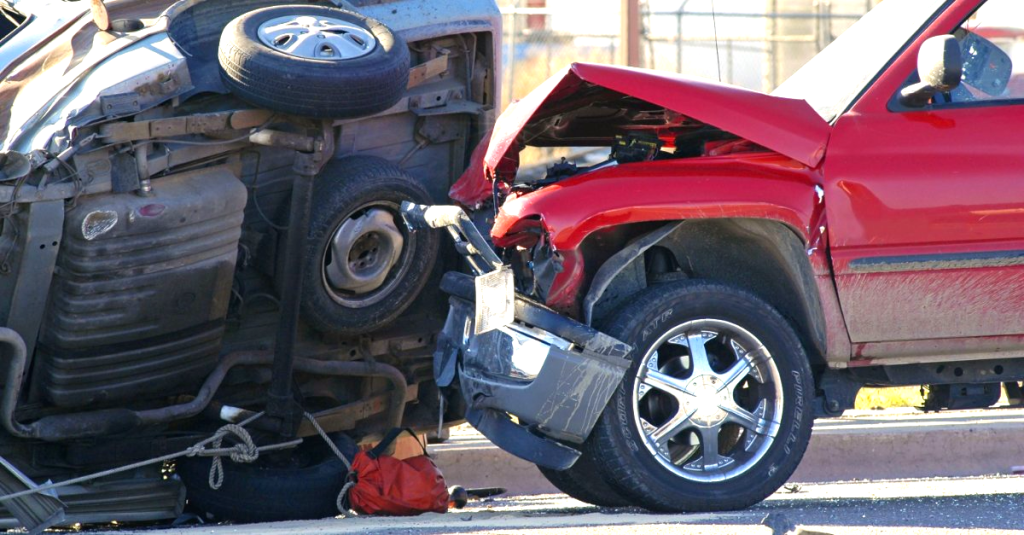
[[751, 43]]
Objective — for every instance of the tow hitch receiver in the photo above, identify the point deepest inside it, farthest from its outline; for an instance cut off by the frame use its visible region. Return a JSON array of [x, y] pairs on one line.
[[554, 374]]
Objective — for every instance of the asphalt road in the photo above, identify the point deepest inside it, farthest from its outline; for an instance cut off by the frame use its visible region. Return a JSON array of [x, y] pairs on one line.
[[890, 444], [933, 506]]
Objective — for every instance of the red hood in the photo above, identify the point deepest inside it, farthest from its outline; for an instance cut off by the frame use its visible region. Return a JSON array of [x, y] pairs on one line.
[[787, 126]]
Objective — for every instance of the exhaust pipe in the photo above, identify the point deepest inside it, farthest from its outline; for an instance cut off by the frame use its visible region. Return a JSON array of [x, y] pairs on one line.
[[112, 421]]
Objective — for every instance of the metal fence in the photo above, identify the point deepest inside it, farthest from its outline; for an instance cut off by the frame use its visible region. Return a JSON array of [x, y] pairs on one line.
[[759, 42]]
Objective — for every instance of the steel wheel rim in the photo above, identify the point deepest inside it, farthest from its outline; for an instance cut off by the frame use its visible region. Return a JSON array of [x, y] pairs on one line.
[[375, 274], [316, 37], [683, 411]]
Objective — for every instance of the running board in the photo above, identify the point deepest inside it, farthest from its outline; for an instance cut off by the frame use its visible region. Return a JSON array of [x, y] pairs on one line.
[[35, 512]]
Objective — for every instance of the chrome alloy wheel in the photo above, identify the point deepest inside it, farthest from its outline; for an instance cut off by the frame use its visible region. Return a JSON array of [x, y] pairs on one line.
[[359, 261], [312, 37], [708, 400]]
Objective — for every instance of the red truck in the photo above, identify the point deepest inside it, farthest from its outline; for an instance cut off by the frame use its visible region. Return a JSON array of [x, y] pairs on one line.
[[661, 329]]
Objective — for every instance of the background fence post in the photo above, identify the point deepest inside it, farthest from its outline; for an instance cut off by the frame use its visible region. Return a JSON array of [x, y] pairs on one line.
[[630, 46]]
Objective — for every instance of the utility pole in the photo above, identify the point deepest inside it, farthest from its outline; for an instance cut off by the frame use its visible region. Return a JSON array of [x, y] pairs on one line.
[[537, 22], [629, 49]]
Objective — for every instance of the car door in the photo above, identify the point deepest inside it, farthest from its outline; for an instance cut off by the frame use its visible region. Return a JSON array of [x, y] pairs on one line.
[[926, 206]]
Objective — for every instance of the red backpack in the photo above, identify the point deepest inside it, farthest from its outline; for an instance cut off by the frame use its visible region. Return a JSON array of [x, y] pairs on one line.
[[384, 485]]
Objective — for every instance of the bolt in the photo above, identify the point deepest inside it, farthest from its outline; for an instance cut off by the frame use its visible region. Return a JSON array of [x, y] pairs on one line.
[[833, 405]]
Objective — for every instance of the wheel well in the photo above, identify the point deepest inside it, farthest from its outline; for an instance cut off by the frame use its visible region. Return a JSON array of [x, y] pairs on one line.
[[763, 257]]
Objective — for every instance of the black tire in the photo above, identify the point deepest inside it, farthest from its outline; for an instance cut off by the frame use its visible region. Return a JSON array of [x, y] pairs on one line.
[[301, 485], [344, 189], [634, 470], [312, 87], [583, 482]]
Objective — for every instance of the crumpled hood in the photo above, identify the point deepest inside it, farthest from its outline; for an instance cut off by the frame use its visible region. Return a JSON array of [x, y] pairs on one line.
[[787, 126]]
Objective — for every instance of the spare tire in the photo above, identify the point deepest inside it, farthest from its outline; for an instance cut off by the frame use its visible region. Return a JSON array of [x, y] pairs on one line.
[[313, 61], [300, 484], [362, 266]]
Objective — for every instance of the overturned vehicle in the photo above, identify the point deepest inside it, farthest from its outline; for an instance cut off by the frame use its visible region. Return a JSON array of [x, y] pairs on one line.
[[201, 226]]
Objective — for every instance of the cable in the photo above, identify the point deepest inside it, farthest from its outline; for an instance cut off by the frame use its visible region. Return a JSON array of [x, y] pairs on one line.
[[168, 141], [718, 55], [254, 186], [244, 137], [197, 449]]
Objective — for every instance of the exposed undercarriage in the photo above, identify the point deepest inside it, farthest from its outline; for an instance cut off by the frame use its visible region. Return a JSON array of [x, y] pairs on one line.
[[147, 269]]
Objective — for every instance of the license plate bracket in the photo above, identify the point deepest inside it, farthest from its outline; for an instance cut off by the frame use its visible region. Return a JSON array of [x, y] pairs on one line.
[[495, 300]]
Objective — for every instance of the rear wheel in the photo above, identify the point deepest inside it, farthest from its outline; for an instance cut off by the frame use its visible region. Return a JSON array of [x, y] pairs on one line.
[[363, 267], [714, 413]]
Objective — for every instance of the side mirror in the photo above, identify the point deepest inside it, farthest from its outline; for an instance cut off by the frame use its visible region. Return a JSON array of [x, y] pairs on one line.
[[940, 66]]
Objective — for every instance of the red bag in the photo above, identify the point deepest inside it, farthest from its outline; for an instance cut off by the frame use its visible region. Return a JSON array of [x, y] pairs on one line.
[[385, 485]]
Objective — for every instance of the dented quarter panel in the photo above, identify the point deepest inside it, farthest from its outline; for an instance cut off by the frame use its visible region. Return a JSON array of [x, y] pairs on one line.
[[39, 82], [150, 72], [48, 18]]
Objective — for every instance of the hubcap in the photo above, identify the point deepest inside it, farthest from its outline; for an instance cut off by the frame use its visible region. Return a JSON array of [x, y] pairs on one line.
[[312, 37], [359, 260], [708, 400]]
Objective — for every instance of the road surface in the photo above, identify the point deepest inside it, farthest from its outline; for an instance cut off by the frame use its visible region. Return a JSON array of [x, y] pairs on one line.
[[933, 506]]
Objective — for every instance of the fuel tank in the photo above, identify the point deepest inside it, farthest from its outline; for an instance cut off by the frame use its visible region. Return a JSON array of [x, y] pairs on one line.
[[141, 290]]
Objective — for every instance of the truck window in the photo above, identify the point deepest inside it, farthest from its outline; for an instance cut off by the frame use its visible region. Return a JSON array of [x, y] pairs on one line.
[[10, 20], [992, 46]]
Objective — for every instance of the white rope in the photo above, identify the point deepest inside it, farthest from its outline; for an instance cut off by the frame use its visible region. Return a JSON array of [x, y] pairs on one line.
[[340, 501], [244, 451], [197, 449]]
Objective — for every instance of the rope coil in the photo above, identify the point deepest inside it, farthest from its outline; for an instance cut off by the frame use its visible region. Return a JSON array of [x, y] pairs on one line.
[[244, 451], [198, 449]]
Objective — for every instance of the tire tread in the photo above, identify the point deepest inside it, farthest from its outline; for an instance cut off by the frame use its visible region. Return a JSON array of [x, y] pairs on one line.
[[307, 87], [606, 442]]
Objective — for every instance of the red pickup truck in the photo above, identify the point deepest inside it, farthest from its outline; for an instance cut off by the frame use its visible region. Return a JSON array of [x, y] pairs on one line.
[[660, 329]]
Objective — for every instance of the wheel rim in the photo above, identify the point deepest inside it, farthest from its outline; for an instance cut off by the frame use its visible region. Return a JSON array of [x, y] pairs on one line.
[[314, 37], [707, 400], [365, 257]]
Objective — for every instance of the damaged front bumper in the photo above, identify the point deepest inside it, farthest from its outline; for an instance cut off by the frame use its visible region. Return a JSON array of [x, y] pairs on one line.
[[553, 374]]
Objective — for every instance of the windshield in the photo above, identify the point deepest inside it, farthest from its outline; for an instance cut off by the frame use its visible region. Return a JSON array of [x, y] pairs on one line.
[[10, 19], [833, 78]]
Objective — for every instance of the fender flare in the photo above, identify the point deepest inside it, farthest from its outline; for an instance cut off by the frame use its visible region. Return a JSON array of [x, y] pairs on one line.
[[789, 282], [614, 265]]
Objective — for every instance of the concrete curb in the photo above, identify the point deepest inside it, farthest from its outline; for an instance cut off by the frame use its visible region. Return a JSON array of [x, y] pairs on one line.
[[893, 444]]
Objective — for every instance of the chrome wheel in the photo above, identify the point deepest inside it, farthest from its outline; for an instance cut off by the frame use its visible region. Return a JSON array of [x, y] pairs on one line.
[[359, 264], [708, 400], [317, 37]]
